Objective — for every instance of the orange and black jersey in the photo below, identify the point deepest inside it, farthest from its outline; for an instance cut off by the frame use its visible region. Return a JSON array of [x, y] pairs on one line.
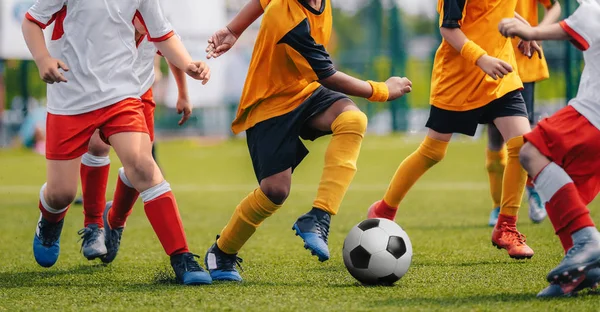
[[289, 58], [457, 84]]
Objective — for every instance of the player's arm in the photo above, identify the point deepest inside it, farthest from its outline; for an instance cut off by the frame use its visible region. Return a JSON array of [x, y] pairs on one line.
[[224, 39], [553, 12], [315, 64], [40, 15], [161, 33], [183, 101], [452, 14]]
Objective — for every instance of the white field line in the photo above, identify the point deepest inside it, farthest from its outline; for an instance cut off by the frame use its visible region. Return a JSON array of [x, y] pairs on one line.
[[199, 188]]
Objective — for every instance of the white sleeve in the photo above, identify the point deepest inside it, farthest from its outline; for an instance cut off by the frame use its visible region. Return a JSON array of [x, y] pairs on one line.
[[42, 12], [151, 15], [584, 24]]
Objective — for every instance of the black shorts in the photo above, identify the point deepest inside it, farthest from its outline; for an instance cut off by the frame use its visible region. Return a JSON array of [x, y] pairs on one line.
[[528, 93], [275, 144], [446, 121]]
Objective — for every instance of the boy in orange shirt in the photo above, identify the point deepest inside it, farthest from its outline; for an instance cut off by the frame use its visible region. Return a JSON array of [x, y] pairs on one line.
[[473, 82]]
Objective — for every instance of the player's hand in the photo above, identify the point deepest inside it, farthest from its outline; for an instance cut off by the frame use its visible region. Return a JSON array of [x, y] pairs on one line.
[[529, 48], [198, 71], [220, 42], [398, 87], [512, 27], [494, 67], [183, 106], [49, 68]]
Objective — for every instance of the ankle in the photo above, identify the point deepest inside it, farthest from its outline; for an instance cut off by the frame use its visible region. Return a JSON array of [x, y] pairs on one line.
[[510, 220]]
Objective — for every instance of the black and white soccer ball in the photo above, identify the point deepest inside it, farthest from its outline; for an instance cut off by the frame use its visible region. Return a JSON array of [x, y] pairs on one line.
[[377, 252]]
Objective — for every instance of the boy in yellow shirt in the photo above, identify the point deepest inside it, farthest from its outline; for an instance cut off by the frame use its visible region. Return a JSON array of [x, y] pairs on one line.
[[473, 82]]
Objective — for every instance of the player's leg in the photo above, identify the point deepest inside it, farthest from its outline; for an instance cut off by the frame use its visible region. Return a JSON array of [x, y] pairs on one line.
[[495, 164], [567, 181], [510, 117], [118, 210], [95, 167], [126, 130], [347, 124], [537, 211]]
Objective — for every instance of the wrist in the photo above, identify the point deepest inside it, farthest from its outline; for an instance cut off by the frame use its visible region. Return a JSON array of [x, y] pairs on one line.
[[40, 58], [381, 92], [472, 52], [232, 30]]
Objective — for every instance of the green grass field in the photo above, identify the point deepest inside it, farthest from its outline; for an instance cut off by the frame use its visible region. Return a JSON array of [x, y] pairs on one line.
[[454, 267]]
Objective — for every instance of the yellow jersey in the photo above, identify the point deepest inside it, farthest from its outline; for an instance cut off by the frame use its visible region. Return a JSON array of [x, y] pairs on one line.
[[289, 58], [457, 84]]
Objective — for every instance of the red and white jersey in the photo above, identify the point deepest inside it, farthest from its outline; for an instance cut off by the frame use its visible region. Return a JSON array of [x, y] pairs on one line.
[[144, 64], [97, 44], [584, 28]]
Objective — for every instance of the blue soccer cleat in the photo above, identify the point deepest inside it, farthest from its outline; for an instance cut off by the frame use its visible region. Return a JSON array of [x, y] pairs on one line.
[[494, 217], [188, 271], [112, 237], [537, 211], [556, 290], [313, 228], [222, 266], [579, 260], [46, 242], [92, 245]]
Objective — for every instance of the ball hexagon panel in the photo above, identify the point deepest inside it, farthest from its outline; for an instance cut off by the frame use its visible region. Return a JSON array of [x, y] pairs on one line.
[[360, 257], [374, 240], [396, 246], [382, 264], [353, 239]]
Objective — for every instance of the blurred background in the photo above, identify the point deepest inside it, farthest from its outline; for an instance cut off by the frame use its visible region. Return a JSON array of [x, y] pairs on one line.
[[372, 39]]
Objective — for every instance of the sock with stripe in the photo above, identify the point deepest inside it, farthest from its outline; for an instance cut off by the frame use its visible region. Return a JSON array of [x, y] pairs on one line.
[[246, 218], [340, 160], [566, 210], [50, 214], [162, 212], [94, 178], [123, 201]]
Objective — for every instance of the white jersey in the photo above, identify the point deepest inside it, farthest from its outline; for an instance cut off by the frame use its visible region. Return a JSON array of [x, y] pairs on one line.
[[99, 48], [584, 28], [144, 64]]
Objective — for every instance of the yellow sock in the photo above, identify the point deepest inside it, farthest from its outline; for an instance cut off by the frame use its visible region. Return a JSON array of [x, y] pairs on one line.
[[495, 164], [340, 160], [248, 216], [429, 153], [515, 177]]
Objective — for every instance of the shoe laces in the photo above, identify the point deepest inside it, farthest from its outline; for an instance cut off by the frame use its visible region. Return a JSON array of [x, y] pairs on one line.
[[88, 235], [189, 264], [49, 232], [322, 226], [512, 233], [227, 262]]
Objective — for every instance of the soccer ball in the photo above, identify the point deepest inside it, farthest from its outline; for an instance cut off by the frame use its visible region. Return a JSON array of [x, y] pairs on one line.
[[377, 252]]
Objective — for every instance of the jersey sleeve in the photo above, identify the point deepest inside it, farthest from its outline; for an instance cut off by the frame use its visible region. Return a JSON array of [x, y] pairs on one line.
[[452, 13], [43, 12], [264, 3], [311, 59], [151, 15], [584, 25], [547, 3]]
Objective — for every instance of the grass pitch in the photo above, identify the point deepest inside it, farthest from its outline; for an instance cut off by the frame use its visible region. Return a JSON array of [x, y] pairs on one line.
[[454, 267]]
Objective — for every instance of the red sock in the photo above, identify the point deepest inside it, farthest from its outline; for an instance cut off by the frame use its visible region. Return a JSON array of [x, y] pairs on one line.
[[123, 202], [52, 217], [568, 213], [93, 185], [385, 210], [510, 220], [164, 216]]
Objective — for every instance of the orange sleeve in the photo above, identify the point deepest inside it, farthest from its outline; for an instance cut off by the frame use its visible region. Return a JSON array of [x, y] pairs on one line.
[[264, 3]]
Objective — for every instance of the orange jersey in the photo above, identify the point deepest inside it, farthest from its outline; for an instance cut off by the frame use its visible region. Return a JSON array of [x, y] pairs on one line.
[[534, 69], [289, 58], [457, 84]]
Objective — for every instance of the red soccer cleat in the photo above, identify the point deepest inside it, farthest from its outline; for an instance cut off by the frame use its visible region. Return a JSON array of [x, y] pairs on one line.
[[380, 209], [507, 237]]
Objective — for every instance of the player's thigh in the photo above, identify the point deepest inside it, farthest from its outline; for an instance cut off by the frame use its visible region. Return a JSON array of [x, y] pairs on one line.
[[512, 126], [495, 140], [134, 149], [445, 137], [97, 147], [62, 181], [323, 121]]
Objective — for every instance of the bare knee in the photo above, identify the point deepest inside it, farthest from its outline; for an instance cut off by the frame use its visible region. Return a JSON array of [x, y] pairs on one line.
[[142, 172], [59, 198], [277, 188], [527, 156]]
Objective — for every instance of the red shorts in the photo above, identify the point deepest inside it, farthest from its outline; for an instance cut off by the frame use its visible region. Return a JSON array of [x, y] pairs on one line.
[[572, 142], [67, 136], [149, 106]]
